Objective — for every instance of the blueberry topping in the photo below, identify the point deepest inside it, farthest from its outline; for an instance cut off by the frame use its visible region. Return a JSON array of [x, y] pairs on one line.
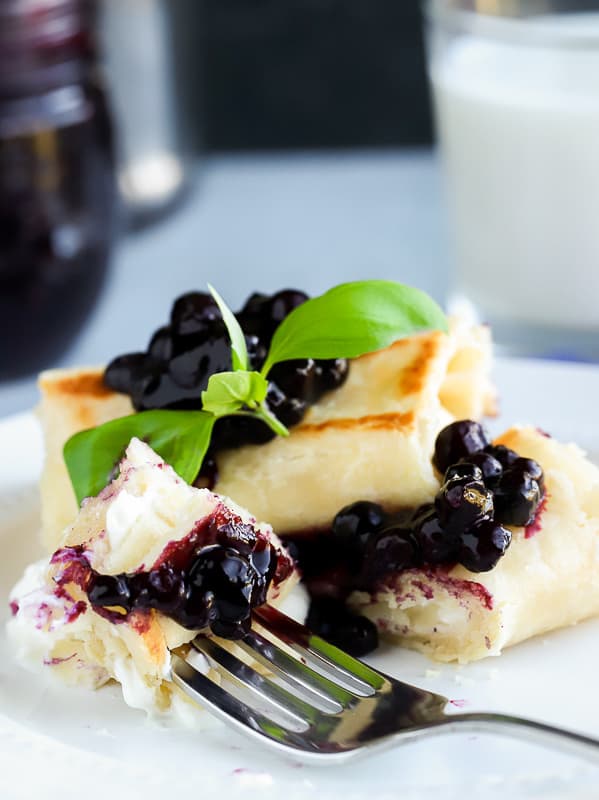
[[463, 502], [331, 619], [284, 302], [183, 355], [503, 454], [353, 526], [491, 468], [532, 467], [297, 378], [435, 544], [129, 374], [332, 373], [458, 440], [517, 497], [463, 469], [161, 588], [220, 586], [193, 313], [290, 410], [110, 590], [388, 551], [215, 585], [237, 534], [483, 545], [162, 344]]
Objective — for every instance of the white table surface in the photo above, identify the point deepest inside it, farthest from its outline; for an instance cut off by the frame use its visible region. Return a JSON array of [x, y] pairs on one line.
[[264, 223]]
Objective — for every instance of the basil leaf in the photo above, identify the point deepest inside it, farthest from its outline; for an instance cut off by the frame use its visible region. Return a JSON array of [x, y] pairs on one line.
[[181, 438], [229, 391], [352, 319], [239, 351]]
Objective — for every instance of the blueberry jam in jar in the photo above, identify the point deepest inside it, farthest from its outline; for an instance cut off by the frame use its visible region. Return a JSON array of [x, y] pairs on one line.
[[484, 488], [212, 578], [57, 189], [181, 357]]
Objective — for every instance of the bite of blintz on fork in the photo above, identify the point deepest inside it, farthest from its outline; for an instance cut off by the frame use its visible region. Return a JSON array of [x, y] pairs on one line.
[[145, 565]]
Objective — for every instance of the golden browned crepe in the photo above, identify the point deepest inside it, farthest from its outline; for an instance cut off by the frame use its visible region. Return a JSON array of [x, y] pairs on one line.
[[548, 578], [370, 439]]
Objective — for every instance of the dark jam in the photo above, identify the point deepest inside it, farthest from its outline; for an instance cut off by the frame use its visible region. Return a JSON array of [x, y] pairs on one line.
[[57, 192], [212, 578], [485, 487], [181, 357]]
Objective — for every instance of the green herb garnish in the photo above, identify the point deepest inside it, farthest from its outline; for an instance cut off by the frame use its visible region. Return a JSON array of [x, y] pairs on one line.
[[347, 321]]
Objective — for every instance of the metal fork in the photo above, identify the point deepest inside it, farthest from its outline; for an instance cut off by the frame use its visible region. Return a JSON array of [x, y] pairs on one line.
[[316, 702]]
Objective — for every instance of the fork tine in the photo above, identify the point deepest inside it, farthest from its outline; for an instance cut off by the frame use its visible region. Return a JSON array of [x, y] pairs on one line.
[[229, 708], [297, 636], [262, 685], [330, 695]]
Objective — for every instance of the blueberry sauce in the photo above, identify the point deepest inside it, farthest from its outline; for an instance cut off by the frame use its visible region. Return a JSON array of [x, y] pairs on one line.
[[213, 577], [537, 524], [181, 357], [484, 488]]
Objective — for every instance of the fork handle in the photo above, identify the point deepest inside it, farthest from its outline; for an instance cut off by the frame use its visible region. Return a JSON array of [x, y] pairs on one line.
[[528, 730]]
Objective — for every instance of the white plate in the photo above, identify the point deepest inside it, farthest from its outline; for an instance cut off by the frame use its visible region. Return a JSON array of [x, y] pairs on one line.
[[61, 743]]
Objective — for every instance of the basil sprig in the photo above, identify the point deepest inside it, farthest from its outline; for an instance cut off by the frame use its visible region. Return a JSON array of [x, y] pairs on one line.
[[347, 321], [181, 438]]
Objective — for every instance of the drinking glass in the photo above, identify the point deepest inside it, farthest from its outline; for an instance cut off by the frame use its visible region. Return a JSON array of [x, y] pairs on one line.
[[516, 93]]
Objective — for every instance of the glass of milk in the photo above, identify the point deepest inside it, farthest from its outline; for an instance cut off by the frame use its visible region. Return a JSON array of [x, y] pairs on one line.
[[516, 91]]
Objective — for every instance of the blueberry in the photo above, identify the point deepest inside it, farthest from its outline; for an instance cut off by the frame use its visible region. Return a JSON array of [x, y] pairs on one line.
[[263, 560], [125, 372], [237, 534], [332, 373], [483, 545], [490, 466], [353, 526], [193, 368], [463, 469], [284, 302], [289, 410], [388, 551], [463, 502], [458, 440], [330, 619], [254, 318], [517, 497], [193, 313], [161, 391], [296, 378], [230, 432], [161, 588], [256, 350], [162, 344], [109, 590], [435, 544], [220, 585], [257, 303], [315, 554], [533, 468], [503, 454]]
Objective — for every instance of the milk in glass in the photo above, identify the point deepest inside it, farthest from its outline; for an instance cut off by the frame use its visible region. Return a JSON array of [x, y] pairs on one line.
[[519, 132]]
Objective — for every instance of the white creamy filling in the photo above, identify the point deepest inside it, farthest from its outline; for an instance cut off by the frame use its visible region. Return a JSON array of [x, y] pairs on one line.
[[123, 512]]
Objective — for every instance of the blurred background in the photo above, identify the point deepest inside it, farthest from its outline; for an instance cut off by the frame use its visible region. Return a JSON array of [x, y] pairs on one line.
[[150, 146]]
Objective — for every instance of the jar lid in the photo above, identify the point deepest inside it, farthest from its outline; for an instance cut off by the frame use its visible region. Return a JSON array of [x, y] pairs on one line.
[[38, 37]]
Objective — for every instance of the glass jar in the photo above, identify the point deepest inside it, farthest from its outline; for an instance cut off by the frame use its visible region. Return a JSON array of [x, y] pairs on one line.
[[57, 190]]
